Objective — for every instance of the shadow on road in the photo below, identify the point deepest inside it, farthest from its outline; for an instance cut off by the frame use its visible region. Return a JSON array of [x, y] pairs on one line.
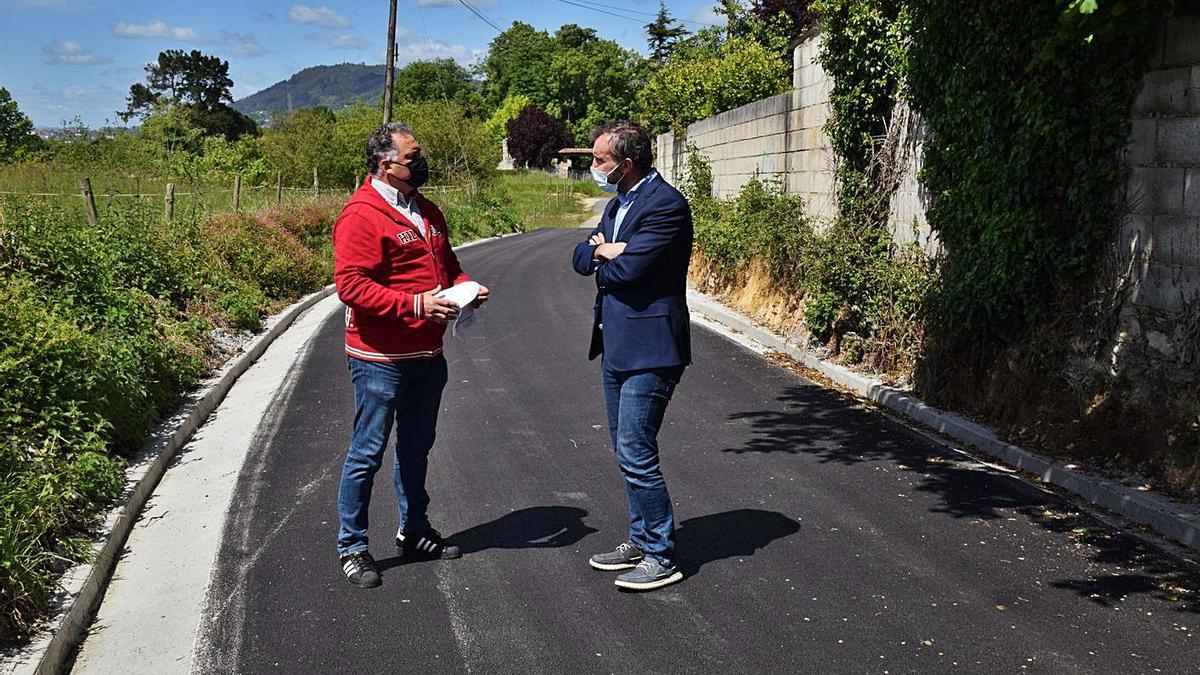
[[834, 427], [534, 527], [733, 534]]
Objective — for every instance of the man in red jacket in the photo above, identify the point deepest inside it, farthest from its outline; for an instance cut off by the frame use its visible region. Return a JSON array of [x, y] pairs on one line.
[[392, 256]]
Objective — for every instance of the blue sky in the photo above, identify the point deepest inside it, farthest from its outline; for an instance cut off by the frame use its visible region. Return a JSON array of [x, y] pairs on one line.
[[66, 58]]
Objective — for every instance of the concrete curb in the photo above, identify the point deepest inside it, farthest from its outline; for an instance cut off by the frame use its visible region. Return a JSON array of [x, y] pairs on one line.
[[1176, 520], [82, 588]]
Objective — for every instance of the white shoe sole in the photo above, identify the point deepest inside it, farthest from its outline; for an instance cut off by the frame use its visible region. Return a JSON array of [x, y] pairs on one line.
[[611, 567], [678, 576]]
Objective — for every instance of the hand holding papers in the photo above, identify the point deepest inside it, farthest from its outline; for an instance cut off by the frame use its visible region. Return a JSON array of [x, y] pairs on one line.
[[462, 295]]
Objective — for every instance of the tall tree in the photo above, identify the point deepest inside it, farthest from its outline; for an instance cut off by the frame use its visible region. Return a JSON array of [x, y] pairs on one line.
[[574, 75], [16, 130], [518, 62], [437, 80], [663, 34], [196, 81]]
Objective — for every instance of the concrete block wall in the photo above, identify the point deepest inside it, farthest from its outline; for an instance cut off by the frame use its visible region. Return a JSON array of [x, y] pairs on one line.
[[783, 137], [1159, 243], [779, 137]]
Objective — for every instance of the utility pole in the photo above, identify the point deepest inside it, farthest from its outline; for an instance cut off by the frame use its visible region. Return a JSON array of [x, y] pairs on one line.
[[389, 74]]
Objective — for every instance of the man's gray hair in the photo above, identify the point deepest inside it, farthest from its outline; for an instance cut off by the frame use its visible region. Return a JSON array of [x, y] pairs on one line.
[[380, 143], [629, 141]]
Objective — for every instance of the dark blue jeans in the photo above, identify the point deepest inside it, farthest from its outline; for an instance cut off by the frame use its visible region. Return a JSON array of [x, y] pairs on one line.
[[408, 395], [636, 402]]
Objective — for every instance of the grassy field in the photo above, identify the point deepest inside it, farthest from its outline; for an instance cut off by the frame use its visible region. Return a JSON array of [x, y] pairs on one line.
[[543, 200]]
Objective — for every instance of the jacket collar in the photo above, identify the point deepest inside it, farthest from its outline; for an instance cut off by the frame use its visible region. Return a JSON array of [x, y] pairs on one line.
[[367, 195]]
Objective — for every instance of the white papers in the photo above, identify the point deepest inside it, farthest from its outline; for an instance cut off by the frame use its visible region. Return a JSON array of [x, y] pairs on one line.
[[462, 295]]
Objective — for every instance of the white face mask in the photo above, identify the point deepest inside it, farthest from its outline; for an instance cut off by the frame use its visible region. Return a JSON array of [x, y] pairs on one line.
[[603, 179]]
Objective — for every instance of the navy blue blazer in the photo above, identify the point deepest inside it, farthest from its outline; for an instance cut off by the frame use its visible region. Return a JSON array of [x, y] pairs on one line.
[[641, 316]]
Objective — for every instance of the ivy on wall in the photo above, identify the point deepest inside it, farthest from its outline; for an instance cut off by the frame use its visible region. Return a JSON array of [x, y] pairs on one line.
[[1027, 106]]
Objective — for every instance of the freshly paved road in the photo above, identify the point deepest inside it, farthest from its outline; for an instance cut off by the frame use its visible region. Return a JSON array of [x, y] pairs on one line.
[[816, 535]]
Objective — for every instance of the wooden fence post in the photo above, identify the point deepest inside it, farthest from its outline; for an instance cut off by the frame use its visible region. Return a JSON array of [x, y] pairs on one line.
[[278, 188], [89, 201], [316, 184], [237, 192], [169, 207]]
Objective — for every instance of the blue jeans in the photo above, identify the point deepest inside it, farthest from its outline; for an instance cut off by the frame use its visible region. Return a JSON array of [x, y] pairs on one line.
[[636, 401], [407, 394]]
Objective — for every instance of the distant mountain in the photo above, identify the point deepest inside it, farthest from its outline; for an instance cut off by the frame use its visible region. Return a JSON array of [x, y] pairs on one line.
[[330, 86]]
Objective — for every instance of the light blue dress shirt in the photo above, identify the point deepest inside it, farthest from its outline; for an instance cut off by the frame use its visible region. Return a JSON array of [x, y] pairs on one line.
[[626, 200]]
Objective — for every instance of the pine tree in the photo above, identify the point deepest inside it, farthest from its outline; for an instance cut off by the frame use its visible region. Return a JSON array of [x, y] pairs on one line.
[[663, 34]]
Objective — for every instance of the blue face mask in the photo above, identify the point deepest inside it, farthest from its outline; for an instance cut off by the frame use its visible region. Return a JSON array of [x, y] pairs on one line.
[[603, 179]]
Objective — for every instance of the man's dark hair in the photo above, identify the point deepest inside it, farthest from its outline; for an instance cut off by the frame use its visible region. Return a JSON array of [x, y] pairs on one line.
[[379, 143], [629, 141]]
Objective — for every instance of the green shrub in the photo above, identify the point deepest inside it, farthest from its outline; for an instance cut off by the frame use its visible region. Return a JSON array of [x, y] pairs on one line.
[[692, 87], [484, 216], [255, 248], [761, 223], [101, 330]]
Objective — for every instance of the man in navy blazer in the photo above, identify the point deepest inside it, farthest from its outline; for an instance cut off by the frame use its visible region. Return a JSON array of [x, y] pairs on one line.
[[639, 254]]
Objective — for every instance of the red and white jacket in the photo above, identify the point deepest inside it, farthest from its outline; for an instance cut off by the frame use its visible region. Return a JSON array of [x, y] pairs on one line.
[[382, 265]]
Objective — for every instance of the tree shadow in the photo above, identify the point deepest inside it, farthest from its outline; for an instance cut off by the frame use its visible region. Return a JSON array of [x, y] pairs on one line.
[[834, 427], [732, 534], [837, 428]]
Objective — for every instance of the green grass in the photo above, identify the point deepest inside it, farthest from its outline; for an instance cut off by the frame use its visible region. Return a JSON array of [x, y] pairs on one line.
[[543, 200]]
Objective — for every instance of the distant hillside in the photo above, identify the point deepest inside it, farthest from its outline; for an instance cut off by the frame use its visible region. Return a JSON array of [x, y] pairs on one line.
[[330, 86]]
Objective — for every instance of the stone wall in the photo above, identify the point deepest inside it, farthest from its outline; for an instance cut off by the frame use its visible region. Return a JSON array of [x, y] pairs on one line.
[[1158, 251], [783, 137], [778, 137]]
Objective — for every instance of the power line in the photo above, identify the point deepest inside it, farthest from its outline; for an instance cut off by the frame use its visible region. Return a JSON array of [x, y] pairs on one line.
[[610, 11], [480, 15], [601, 11]]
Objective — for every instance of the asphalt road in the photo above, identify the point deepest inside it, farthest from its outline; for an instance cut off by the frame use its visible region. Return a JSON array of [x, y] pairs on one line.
[[816, 535]]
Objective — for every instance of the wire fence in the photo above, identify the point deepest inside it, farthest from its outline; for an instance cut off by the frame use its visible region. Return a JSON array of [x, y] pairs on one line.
[[194, 199]]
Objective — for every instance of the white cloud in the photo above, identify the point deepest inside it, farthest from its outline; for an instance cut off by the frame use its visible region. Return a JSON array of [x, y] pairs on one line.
[[339, 40], [55, 106], [247, 82], [81, 91], [65, 52], [155, 29], [322, 16], [425, 50], [708, 14], [242, 44]]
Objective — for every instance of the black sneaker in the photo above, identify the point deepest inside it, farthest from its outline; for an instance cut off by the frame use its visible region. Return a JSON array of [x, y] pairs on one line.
[[360, 571], [649, 575], [626, 556], [429, 544]]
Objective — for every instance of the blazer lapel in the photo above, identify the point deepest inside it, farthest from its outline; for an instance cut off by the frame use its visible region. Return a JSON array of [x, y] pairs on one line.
[[630, 223], [610, 218]]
